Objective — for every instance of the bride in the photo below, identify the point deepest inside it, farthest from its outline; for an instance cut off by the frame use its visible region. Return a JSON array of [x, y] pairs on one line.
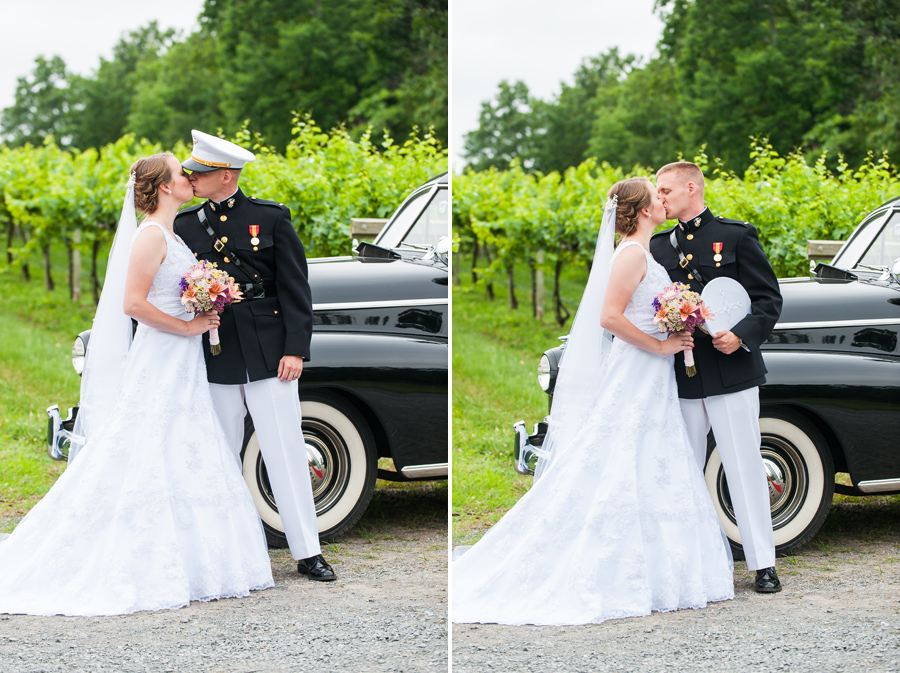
[[619, 522], [153, 512]]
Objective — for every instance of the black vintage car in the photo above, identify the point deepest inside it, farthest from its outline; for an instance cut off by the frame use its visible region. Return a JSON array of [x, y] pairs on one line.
[[831, 402], [376, 385]]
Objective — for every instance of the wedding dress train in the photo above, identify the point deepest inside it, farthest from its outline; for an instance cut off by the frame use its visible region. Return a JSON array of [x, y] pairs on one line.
[[621, 522], [154, 512]]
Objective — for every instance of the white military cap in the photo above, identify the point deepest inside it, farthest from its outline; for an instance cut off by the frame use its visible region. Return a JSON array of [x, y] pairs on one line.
[[211, 153]]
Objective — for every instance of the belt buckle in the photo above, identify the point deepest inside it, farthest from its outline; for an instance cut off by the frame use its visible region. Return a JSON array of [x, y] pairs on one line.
[[259, 292], [218, 245], [683, 262]]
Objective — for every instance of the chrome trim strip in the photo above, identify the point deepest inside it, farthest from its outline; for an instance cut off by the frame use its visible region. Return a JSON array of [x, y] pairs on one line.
[[879, 485], [397, 303], [434, 470], [837, 323]]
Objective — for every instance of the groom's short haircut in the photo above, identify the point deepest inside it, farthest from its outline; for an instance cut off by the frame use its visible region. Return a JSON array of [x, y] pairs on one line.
[[687, 171]]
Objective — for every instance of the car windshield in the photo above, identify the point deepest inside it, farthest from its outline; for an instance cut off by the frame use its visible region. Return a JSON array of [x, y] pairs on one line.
[[885, 249], [432, 225], [852, 251], [418, 225]]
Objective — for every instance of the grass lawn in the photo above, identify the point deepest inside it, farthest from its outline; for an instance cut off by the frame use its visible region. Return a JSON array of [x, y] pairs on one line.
[[38, 329], [495, 356]]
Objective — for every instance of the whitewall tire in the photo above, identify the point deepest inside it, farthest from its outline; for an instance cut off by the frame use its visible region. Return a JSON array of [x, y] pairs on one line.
[[800, 470]]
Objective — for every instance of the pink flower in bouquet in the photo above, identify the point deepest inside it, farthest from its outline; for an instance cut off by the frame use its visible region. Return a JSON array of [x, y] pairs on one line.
[[206, 288], [680, 310], [216, 290]]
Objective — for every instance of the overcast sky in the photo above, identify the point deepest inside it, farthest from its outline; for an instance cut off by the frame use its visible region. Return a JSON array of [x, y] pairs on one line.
[[81, 31], [537, 41]]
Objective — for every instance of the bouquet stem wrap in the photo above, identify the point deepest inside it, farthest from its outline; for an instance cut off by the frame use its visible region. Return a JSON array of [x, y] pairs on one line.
[[214, 346], [689, 365]]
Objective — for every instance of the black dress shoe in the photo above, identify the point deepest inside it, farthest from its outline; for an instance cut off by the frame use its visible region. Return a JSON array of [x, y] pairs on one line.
[[317, 568], [767, 581]]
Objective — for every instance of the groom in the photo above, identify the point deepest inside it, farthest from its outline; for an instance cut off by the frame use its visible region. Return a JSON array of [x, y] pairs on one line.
[[265, 337], [724, 394]]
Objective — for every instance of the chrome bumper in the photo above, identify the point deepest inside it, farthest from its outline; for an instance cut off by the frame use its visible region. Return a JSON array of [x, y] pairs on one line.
[[527, 448], [59, 433]]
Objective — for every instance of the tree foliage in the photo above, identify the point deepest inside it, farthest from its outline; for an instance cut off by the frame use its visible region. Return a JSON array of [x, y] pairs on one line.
[[350, 63], [821, 76]]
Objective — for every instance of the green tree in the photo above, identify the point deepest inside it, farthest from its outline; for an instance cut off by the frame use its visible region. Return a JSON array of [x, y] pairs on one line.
[[43, 106], [786, 69], [351, 62], [636, 124], [565, 124], [107, 98], [505, 130], [179, 92]]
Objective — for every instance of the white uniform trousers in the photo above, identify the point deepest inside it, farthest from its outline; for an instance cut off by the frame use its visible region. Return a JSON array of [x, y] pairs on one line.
[[734, 419], [275, 409]]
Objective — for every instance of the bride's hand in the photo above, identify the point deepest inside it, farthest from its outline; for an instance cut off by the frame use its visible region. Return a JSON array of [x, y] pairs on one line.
[[676, 343], [203, 322]]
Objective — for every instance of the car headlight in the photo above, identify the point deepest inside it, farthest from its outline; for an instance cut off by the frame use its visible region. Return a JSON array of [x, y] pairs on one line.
[[543, 372], [78, 350]]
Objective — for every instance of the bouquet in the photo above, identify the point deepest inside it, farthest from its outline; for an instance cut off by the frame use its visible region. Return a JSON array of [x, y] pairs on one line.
[[680, 310], [206, 288]]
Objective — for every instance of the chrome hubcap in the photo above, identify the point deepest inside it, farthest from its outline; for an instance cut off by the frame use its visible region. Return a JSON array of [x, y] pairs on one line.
[[786, 477], [329, 466]]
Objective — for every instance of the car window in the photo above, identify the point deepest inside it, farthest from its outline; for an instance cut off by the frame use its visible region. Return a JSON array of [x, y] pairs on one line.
[[432, 225], [391, 236], [852, 251], [885, 249]]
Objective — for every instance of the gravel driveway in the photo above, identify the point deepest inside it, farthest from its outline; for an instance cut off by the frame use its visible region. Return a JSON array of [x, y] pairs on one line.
[[386, 612], [839, 611]]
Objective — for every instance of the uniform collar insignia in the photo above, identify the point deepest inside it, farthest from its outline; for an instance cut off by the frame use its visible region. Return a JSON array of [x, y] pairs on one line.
[[233, 202], [696, 222]]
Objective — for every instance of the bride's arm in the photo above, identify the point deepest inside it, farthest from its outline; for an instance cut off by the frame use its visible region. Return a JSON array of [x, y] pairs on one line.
[[147, 253], [628, 269]]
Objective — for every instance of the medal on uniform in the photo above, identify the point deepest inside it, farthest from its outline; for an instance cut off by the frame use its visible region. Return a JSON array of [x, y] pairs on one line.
[[254, 231], [717, 248]]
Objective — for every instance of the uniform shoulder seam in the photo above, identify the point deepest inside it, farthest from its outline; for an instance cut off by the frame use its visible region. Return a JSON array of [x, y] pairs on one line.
[[266, 202], [189, 209], [725, 220], [664, 231]]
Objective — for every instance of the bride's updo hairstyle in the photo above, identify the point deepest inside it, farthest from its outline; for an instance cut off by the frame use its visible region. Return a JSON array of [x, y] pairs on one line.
[[149, 173], [634, 194]]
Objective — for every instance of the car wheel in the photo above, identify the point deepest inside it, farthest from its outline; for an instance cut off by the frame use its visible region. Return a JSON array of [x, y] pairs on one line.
[[343, 465], [800, 473]]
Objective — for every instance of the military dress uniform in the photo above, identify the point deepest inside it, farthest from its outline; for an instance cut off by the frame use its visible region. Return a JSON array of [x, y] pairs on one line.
[[724, 393], [274, 319]]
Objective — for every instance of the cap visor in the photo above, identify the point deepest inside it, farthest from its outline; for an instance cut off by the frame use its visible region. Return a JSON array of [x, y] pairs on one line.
[[193, 166]]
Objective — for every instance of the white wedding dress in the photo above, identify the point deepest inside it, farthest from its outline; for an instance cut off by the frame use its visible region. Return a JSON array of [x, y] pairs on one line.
[[621, 523], [154, 512]]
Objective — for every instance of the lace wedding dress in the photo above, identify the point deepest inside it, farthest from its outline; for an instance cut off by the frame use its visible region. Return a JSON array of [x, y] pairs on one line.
[[621, 523], [154, 513]]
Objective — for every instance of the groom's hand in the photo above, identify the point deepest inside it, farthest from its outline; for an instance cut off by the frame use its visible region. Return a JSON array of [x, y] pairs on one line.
[[290, 368], [726, 342]]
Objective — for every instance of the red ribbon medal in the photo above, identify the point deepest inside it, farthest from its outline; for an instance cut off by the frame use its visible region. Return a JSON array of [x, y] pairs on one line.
[[717, 248], [254, 231]]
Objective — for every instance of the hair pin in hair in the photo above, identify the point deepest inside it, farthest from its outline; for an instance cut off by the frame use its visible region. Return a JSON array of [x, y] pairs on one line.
[[612, 202], [131, 180]]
